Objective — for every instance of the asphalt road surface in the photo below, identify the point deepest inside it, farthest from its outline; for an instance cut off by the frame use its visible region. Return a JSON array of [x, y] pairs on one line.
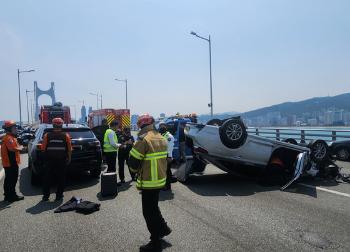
[[214, 212]]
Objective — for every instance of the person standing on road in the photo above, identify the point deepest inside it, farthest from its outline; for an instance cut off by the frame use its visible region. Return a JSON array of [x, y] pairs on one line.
[[111, 146], [10, 160], [127, 141], [163, 130], [57, 149], [148, 158]]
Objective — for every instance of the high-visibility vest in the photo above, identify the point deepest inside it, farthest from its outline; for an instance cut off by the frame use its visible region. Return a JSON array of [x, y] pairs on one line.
[[107, 147], [11, 141]]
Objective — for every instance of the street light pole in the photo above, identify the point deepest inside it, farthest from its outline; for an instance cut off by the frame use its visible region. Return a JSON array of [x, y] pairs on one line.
[[19, 93], [126, 91], [211, 82], [101, 101], [96, 99]]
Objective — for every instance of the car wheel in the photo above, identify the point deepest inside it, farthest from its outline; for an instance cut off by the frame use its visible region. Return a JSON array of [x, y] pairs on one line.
[[96, 172], [214, 122], [342, 154], [233, 133], [319, 151], [291, 141], [35, 178]]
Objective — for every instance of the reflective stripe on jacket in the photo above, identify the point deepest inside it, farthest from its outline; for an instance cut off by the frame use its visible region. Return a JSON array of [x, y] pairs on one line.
[[107, 146], [9, 152], [148, 159]]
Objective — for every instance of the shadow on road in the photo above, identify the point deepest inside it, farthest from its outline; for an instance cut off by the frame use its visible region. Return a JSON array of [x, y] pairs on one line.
[[166, 195], [43, 207], [74, 181], [4, 205], [225, 185], [230, 185]]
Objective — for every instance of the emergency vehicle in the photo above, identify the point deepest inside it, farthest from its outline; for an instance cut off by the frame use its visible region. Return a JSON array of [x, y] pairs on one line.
[[49, 112], [122, 116]]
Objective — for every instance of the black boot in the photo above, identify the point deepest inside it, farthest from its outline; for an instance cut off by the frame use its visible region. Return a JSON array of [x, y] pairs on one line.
[[166, 230], [152, 246]]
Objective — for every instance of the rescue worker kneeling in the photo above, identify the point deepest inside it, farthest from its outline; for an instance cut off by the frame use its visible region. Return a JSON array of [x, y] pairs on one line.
[[10, 160], [57, 148], [148, 158]]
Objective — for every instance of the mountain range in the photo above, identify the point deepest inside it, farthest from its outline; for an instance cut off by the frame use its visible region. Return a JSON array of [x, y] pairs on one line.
[[313, 105]]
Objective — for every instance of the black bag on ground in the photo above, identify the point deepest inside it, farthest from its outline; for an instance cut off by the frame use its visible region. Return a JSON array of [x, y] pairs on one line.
[[70, 205], [87, 207], [109, 184]]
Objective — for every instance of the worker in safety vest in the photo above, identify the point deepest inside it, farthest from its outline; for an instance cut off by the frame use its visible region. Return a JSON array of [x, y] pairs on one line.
[[148, 158], [10, 160], [57, 150], [111, 146], [163, 130]]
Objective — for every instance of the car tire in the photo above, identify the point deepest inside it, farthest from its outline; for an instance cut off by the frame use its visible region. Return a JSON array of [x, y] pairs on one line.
[[291, 141], [214, 122], [342, 154], [35, 178], [96, 173], [319, 151], [233, 133]]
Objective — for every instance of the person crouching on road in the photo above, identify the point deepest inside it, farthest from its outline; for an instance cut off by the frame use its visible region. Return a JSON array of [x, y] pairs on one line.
[[111, 146], [10, 160], [57, 148], [163, 130], [127, 141], [148, 158]]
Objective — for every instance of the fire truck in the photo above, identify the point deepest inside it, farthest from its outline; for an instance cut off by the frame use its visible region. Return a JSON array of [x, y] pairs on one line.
[[120, 115], [49, 112]]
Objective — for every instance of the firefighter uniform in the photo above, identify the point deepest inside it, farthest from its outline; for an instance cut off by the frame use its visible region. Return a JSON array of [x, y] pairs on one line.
[[57, 148], [10, 160], [148, 158]]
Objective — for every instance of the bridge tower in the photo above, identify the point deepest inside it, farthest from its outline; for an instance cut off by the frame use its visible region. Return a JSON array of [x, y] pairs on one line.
[[38, 92]]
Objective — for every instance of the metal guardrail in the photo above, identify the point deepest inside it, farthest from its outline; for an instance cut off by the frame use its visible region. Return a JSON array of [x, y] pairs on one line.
[[301, 134]]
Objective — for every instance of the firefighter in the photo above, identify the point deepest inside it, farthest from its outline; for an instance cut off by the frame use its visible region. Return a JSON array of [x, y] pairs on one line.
[[10, 160], [111, 146], [127, 141], [163, 130], [148, 158], [57, 150]]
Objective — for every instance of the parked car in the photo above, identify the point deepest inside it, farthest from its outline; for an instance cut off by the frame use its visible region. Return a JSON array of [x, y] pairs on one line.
[[341, 150], [86, 155], [227, 145]]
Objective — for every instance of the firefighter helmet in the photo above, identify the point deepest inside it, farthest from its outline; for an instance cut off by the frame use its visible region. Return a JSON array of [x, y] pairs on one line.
[[145, 120], [57, 122], [8, 125]]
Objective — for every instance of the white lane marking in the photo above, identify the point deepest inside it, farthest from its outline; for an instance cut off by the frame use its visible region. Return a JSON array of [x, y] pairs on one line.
[[325, 190]]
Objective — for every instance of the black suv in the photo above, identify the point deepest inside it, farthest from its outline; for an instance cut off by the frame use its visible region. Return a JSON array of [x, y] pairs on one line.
[[86, 155]]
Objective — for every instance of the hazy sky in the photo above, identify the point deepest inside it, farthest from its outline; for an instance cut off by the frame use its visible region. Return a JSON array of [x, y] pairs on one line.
[[263, 52]]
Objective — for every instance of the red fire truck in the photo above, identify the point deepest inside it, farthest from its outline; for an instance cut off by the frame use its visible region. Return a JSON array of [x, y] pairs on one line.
[[49, 112], [120, 115]]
